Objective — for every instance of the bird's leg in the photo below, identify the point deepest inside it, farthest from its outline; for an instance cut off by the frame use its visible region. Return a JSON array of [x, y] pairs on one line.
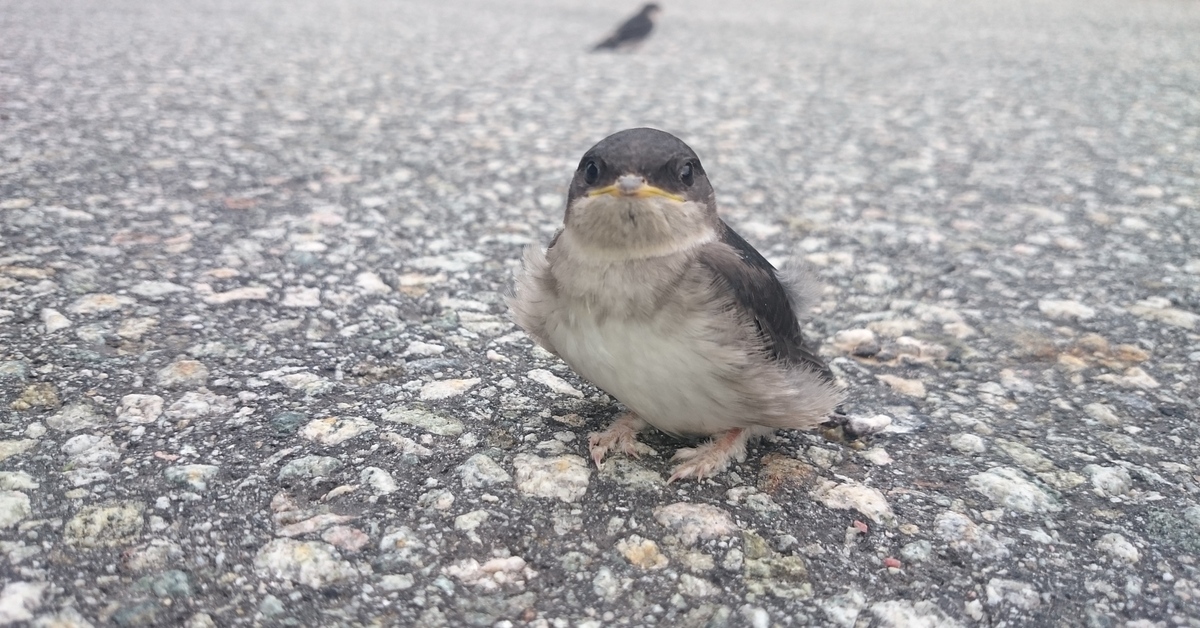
[[714, 456], [620, 436]]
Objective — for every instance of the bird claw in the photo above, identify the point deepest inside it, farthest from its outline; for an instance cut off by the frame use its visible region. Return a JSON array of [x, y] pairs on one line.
[[617, 437], [698, 464], [709, 458], [695, 469], [679, 474], [597, 450]]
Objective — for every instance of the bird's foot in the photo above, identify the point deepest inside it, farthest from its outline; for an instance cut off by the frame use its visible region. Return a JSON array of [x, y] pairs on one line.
[[712, 457], [620, 436]]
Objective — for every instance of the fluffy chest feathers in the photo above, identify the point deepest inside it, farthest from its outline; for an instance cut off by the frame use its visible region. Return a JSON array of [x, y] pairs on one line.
[[647, 332]]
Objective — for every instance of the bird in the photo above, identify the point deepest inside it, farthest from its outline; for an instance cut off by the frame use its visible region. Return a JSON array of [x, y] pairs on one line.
[[634, 31], [649, 295]]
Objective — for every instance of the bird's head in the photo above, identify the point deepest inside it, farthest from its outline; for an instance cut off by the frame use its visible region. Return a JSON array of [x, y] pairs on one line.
[[651, 9], [641, 193]]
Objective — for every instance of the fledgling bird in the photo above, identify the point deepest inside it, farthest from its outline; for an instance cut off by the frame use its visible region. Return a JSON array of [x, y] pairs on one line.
[[634, 31], [649, 295]]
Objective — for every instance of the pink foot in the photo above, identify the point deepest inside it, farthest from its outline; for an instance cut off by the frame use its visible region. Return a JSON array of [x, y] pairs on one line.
[[620, 436], [712, 457]]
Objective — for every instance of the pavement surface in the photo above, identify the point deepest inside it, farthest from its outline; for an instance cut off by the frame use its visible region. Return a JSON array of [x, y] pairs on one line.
[[255, 366]]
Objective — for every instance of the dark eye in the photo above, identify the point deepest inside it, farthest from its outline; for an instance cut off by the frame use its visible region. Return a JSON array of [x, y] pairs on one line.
[[685, 174], [591, 173]]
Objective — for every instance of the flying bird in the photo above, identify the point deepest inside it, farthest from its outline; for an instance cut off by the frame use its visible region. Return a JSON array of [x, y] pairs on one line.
[[634, 31], [646, 293]]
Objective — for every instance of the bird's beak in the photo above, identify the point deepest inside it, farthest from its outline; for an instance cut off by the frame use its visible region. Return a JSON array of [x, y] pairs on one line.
[[633, 186]]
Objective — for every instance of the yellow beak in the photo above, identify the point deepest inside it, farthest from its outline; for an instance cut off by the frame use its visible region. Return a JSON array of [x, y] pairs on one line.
[[643, 190]]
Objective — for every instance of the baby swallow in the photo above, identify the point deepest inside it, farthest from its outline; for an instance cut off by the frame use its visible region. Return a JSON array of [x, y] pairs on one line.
[[649, 295], [633, 32]]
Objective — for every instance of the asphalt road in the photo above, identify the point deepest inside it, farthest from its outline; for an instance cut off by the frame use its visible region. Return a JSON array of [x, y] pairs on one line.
[[255, 367]]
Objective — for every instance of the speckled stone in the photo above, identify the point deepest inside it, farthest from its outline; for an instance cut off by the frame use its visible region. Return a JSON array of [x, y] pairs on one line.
[[1022, 595], [312, 524], [39, 395], [904, 386], [18, 601], [77, 416], [156, 290], [196, 405], [1009, 488], [1159, 309], [92, 304], [10, 448], [968, 443], [66, 618], [154, 555], [53, 320], [13, 370], [380, 481], [852, 495], [1109, 481], [396, 582], [642, 553], [106, 525], [902, 613], [1119, 548], [492, 575], [555, 383], [182, 374], [309, 467], [140, 408], [562, 477], [782, 473], [431, 422], [471, 521], [16, 481], [480, 471], [1065, 309], [170, 583], [917, 551], [332, 431], [14, 506], [287, 422], [632, 475], [312, 563], [194, 476], [966, 536], [767, 571], [447, 388], [695, 522], [270, 606]]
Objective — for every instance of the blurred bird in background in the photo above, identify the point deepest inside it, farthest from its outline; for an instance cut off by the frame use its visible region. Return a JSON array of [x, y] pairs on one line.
[[633, 32]]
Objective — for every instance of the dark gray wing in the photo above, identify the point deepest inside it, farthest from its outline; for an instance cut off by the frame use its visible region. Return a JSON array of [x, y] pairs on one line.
[[637, 27], [757, 288], [634, 29]]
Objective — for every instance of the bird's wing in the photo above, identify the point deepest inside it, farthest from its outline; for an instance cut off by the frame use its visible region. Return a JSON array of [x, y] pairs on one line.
[[532, 294], [756, 288], [635, 27]]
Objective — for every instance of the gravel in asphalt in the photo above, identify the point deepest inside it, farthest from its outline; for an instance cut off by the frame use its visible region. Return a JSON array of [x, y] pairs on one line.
[[255, 366]]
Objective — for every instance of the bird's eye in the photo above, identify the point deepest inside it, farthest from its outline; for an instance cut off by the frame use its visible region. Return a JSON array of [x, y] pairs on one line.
[[686, 175], [591, 173]]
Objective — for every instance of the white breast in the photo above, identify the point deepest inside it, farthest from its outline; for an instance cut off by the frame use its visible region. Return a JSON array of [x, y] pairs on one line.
[[666, 369]]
